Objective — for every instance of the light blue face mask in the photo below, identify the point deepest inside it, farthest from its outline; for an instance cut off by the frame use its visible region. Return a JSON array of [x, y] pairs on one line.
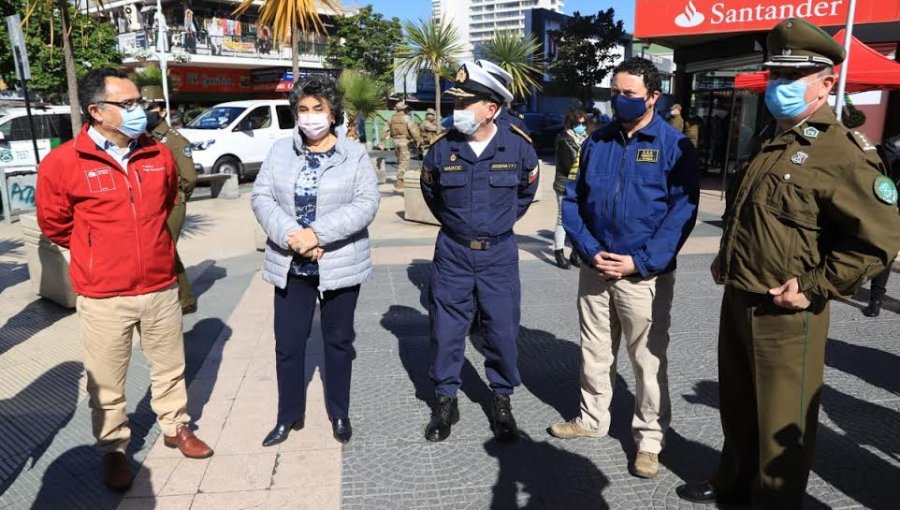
[[134, 122], [785, 99], [464, 122], [580, 129]]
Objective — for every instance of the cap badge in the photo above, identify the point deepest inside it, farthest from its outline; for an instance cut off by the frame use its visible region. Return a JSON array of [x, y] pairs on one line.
[[462, 75], [786, 52], [811, 132], [799, 158]]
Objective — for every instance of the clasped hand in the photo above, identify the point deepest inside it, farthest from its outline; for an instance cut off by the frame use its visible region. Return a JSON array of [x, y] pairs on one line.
[[306, 243], [614, 265]]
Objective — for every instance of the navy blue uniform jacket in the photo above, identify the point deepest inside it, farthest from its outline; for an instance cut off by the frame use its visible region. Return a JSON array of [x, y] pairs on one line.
[[634, 197]]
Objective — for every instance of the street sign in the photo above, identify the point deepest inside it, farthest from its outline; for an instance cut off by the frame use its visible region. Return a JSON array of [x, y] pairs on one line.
[[17, 40]]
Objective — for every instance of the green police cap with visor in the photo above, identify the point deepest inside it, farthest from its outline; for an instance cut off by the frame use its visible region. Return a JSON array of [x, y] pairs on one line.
[[798, 43]]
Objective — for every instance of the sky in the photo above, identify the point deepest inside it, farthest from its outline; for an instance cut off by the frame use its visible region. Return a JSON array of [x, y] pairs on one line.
[[415, 9]]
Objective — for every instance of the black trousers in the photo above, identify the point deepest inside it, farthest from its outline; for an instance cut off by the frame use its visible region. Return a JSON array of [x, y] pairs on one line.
[[879, 284], [295, 306]]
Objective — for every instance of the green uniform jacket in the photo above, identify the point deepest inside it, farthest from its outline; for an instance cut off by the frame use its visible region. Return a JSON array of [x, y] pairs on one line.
[[812, 204], [180, 148]]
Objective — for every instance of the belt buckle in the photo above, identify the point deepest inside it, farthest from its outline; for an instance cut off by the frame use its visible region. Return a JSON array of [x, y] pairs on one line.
[[480, 245]]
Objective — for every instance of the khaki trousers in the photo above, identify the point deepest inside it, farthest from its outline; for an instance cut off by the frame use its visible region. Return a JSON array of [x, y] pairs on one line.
[[401, 149], [175, 221], [638, 311], [106, 330]]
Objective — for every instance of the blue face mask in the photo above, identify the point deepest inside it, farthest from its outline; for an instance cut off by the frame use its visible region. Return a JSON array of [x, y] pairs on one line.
[[580, 129], [134, 122], [786, 99], [464, 122], [629, 109]]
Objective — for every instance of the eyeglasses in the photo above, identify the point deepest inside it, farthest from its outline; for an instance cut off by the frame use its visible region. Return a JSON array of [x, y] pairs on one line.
[[127, 105]]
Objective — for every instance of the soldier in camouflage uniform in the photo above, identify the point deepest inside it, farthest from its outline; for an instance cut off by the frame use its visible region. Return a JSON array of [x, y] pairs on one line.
[[401, 130], [429, 128], [808, 220], [180, 147]]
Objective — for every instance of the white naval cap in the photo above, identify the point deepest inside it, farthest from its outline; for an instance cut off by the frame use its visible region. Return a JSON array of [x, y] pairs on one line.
[[473, 80]]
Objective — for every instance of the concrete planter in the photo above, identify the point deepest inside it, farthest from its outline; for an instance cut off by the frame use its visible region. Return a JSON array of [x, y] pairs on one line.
[[414, 207], [48, 264]]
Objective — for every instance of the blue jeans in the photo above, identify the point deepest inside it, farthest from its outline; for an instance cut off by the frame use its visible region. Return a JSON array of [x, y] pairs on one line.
[[295, 306]]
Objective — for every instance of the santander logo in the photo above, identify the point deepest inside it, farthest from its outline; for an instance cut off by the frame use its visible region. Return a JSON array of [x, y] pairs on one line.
[[691, 17]]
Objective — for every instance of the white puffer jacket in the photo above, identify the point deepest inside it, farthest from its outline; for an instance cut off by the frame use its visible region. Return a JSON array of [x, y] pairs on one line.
[[346, 204]]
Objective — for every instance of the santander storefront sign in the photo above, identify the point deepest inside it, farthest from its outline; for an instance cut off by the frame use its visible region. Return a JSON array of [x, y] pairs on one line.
[[657, 18]]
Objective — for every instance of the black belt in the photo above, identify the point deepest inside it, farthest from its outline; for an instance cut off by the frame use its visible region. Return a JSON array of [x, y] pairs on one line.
[[477, 243]]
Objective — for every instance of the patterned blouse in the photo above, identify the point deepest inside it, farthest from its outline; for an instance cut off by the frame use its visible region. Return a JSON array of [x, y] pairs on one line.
[[305, 190]]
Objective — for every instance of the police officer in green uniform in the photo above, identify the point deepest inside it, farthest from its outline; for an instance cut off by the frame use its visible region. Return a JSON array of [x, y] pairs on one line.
[[809, 219], [180, 147]]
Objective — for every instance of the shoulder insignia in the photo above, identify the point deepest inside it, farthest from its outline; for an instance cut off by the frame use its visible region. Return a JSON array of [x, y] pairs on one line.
[[187, 151], [439, 137], [811, 132], [163, 139], [515, 129], [518, 115], [885, 190], [861, 140]]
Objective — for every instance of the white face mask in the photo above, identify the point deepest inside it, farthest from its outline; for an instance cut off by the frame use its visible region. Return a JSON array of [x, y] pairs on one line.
[[314, 125], [464, 122]]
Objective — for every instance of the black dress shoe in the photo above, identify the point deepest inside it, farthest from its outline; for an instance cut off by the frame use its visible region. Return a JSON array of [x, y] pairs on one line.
[[443, 416], [561, 261], [574, 260], [503, 424], [341, 429], [702, 492], [874, 308], [280, 432]]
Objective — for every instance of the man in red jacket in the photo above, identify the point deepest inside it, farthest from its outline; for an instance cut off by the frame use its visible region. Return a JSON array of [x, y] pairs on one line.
[[105, 195]]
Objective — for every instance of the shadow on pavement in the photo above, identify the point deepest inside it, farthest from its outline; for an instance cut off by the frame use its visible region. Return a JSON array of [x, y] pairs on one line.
[[12, 273], [208, 277], [30, 420], [550, 368], [537, 475], [29, 321], [196, 224], [875, 366]]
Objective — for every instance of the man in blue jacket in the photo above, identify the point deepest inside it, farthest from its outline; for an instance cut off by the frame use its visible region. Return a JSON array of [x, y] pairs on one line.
[[628, 211]]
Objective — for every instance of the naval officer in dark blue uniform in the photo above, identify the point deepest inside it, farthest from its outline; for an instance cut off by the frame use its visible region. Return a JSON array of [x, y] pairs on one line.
[[477, 179]]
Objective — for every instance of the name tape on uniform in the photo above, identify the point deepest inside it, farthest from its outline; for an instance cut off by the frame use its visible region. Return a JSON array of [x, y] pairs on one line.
[[647, 156]]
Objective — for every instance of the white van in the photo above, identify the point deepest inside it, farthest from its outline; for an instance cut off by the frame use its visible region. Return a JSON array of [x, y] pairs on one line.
[[53, 126], [234, 137]]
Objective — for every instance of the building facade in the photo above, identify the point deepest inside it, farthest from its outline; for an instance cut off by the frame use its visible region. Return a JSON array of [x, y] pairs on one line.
[[212, 54], [478, 20]]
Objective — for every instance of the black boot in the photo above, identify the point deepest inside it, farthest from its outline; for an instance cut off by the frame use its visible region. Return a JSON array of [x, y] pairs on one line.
[[443, 416], [574, 260], [281, 431], [341, 429], [503, 423], [874, 308], [561, 261]]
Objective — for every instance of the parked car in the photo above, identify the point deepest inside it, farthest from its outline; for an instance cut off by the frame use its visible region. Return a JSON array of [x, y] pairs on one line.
[[52, 124], [234, 137]]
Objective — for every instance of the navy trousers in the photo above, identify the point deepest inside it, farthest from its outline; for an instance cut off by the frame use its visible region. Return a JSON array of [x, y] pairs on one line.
[[295, 306], [465, 280]]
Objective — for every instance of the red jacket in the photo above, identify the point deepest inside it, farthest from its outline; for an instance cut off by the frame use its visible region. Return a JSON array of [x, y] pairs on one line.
[[113, 222]]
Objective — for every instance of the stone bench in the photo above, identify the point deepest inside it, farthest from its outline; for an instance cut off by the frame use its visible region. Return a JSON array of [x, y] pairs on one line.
[[224, 186]]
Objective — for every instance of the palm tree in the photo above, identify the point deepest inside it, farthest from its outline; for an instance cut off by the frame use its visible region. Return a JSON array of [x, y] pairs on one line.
[[517, 56], [362, 95], [290, 17], [433, 46]]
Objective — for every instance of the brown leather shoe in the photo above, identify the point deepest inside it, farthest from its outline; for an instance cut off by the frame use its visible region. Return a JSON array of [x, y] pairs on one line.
[[117, 473], [189, 444]]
